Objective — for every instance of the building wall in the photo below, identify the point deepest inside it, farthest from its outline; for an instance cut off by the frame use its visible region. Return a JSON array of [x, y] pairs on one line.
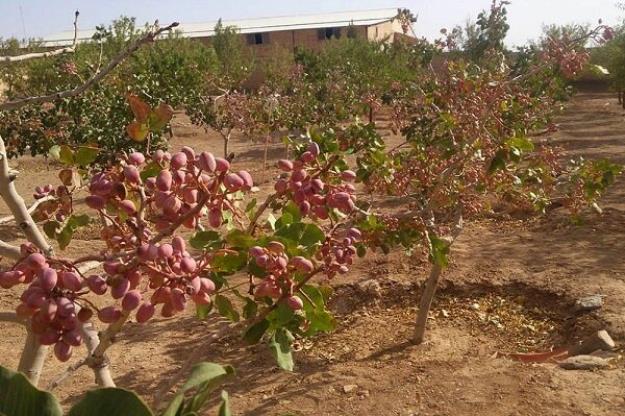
[[384, 30], [309, 38], [288, 40], [306, 38]]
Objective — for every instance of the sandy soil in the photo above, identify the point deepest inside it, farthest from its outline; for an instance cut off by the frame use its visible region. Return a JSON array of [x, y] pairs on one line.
[[510, 288]]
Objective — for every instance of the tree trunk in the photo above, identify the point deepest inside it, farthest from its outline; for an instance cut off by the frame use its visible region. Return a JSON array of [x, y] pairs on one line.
[[226, 142], [266, 149], [99, 365], [34, 354], [435, 274], [33, 357], [18, 208], [426, 303], [620, 97]]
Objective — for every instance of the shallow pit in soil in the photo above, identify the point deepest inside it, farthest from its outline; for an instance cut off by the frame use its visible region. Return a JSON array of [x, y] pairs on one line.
[[516, 317]]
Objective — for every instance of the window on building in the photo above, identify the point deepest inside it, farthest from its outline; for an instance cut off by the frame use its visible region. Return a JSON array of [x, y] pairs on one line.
[[258, 38], [329, 33]]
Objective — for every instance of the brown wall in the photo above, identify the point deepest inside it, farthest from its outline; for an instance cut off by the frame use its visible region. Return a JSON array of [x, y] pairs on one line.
[[309, 38], [290, 39], [383, 30]]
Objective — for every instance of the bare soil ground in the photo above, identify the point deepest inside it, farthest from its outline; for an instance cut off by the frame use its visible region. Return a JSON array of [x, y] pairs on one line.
[[510, 288]]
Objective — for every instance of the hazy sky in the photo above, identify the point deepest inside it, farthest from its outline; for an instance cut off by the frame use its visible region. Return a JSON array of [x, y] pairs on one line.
[[44, 17]]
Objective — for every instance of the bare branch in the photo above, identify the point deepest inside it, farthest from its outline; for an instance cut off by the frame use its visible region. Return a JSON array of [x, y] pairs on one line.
[[32, 209], [54, 52], [68, 372], [9, 251], [88, 266], [17, 206], [149, 37]]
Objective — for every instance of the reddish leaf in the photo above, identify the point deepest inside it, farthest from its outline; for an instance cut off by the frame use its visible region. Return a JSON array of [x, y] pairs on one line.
[[137, 131], [139, 108], [67, 177], [160, 117]]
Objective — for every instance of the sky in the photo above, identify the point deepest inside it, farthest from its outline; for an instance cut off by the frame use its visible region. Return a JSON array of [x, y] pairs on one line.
[[38, 18]]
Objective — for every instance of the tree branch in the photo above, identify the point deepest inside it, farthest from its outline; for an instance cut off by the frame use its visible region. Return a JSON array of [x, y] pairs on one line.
[[17, 206], [32, 208], [36, 55], [10, 251], [149, 37]]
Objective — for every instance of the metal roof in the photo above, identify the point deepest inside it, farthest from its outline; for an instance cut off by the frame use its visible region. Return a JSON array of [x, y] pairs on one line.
[[265, 24]]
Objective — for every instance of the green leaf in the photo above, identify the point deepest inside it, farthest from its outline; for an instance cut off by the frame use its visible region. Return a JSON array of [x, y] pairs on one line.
[[291, 232], [284, 220], [85, 155], [250, 309], [225, 308], [50, 228], [66, 155], [280, 346], [205, 377], [76, 221], [315, 295], [20, 398], [255, 332], [205, 239], [207, 373], [224, 407], [230, 262], [240, 239], [175, 406], [522, 143], [64, 237], [110, 401], [281, 316], [312, 235], [250, 205], [151, 170], [439, 251], [202, 311], [55, 152], [293, 211], [320, 321]]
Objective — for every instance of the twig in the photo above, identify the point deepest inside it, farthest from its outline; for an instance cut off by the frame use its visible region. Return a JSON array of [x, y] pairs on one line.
[[147, 38], [36, 55], [71, 369], [31, 209], [259, 212], [10, 251]]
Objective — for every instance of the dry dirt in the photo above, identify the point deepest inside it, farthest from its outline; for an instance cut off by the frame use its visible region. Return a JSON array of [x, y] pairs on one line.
[[510, 288]]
